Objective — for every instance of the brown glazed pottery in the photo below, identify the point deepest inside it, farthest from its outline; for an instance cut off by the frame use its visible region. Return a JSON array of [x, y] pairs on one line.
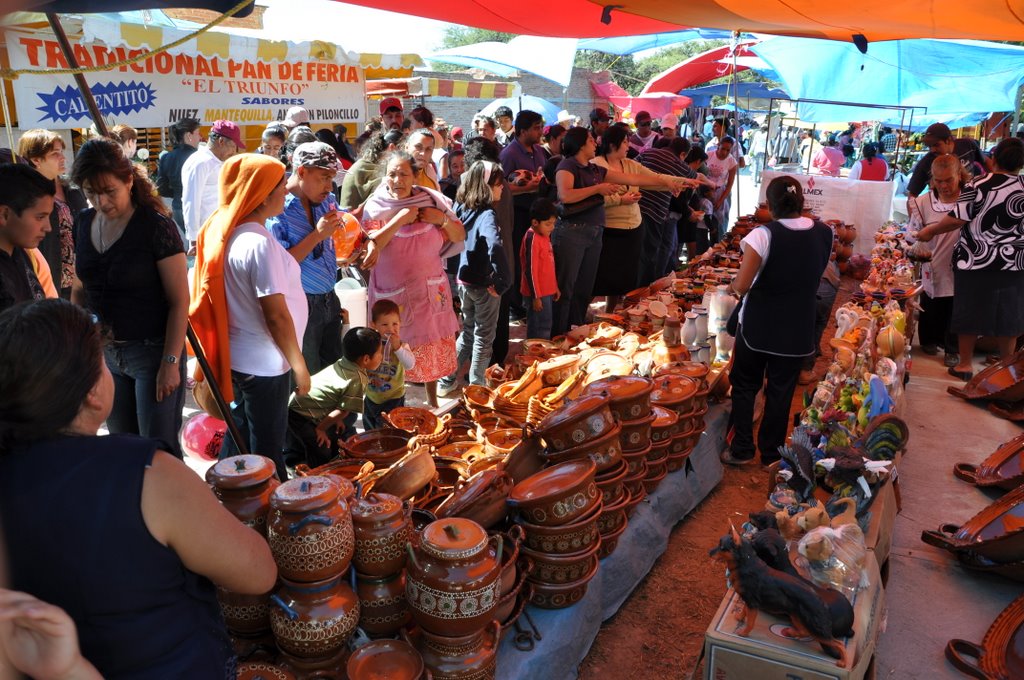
[[636, 434], [343, 468], [385, 659], [261, 670], [548, 596], [657, 456], [636, 463], [511, 541], [613, 515], [1001, 652], [409, 474], [630, 395], [1003, 381], [245, 615], [381, 447], [502, 441], [693, 369], [1003, 469], [557, 569], [450, 470], [564, 539], [610, 483], [558, 495], [680, 444], [382, 606], [321, 668], [481, 498], [665, 425], [383, 525], [244, 484], [655, 475], [676, 462], [314, 620], [605, 451], [452, 579], [473, 656], [507, 604], [310, 529], [525, 459], [996, 533], [694, 420], [414, 420], [637, 493], [610, 542], [578, 421], [674, 391]]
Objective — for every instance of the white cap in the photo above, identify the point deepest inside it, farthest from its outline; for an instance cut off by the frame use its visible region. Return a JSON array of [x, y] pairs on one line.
[[669, 121], [564, 116], [296, 116]]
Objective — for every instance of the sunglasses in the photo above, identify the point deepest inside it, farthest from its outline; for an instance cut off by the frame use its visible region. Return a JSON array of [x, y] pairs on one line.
[[644, 124]]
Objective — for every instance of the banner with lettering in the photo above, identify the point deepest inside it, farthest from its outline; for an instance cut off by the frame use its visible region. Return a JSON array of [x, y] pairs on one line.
[[867, 205], [166, 87]]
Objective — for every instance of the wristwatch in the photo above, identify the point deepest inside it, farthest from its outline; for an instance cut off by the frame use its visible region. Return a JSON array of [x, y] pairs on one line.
[[171, 359]]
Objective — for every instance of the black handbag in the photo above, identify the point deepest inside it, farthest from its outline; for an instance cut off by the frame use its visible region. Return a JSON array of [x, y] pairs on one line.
[[588, 203], [732, 324]]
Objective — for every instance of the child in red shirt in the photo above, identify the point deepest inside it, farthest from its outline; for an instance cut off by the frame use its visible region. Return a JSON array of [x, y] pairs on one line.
[[539, 286]]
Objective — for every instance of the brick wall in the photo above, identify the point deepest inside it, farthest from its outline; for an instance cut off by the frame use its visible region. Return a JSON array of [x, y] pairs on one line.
[[202, 16]]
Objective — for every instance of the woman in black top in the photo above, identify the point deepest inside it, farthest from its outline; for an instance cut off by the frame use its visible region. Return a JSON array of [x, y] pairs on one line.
[[131, 273], [782, 264]]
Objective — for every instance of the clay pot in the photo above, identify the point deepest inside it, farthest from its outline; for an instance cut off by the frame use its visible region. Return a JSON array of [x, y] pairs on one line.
[[692, 369], [473, 656], [636, 463], [381, 447], [564, 539], [452, 582], [637, 493], [325, 668], [579, 421], [762, 214], [657, 456], [525, 459], [605, 451], [664, 424], [382, 605], [419, 421], [511, 541], [261, 670], [636, 434], [408, 475], [558, 569], [480, 498], [700, 400], [630, 395], [557, 495], [693, 420], [844, 252], [314, 620], [655, 475], [342, 468], [450, 470], [610, 542], [382, 525], [610, 483], [310, 529], [501, 442], [245, 615], [675, 392], [613, 515], [557, 370], [851, 234], [507, 605], [391, 659], [548, 596], [244, 484]]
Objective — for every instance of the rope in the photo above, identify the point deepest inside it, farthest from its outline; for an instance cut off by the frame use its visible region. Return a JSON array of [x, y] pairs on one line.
[[13, 74]]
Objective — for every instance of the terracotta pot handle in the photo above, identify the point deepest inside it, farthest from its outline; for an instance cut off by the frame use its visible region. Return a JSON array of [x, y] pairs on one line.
[[500, 548], [966, 472], [495, 628], [517, 534], [296, 527], [292, 615], [957, 650], [942, 538]]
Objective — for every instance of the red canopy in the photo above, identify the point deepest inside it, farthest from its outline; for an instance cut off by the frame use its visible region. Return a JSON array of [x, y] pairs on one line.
[[658, 105], [699, 69]]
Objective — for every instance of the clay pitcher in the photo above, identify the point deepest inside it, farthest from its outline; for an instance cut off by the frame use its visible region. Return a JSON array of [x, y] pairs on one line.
[[314, 620], [383, 525], [310, 529]]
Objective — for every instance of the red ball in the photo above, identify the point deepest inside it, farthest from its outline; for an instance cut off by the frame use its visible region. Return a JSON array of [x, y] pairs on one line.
[[202, 435]]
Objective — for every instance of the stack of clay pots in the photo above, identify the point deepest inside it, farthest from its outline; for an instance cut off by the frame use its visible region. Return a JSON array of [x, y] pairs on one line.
[[315, 611], [453, 587], [583, 428], [558, 509], [674, 392], [691, 422], [382, 525], [244, 484], [842, 245]]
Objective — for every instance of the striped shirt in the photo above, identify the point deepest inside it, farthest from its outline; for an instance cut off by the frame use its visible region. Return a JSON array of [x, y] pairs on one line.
[[654, 204], [320, 267]]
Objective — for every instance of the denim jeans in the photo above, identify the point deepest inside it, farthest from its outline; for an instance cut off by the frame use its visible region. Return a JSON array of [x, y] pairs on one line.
[[373, 412], [260, 411], [538, 323], [303, 446], [825, 299], [135, 365], [479, 324], [577, 255], [321, 344], [661, 243]]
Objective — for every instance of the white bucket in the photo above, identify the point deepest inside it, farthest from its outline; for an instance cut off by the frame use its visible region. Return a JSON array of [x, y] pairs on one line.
[[353, 298]]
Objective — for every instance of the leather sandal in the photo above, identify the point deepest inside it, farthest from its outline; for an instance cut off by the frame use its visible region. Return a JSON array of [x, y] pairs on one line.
[[962, 375]]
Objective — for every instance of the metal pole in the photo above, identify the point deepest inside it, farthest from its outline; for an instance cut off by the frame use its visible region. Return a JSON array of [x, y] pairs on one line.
[[810, 147], [225, 408], [1016, 111], [83, 86], [736, 115]]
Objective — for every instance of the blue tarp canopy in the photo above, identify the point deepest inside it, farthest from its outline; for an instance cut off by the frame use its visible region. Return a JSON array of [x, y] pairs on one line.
[[637, 43], [944, 76], [701, 96]]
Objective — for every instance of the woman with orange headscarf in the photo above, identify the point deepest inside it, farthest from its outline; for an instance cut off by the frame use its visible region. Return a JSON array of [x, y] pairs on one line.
[[248, 308]]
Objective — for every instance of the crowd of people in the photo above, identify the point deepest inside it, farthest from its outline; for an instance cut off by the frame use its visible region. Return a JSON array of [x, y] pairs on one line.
[[102, 268]]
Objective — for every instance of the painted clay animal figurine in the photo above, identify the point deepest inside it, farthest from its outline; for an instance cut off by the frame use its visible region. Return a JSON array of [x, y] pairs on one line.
[[812, 518], [788, 525], [848, 515], [775, 592]]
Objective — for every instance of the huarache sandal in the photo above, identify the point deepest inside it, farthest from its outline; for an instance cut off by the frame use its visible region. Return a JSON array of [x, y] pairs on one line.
[[962, 375]]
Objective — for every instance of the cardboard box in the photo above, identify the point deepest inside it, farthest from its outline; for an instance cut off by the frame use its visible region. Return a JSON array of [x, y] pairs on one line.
[[878, 537], [766, 655]]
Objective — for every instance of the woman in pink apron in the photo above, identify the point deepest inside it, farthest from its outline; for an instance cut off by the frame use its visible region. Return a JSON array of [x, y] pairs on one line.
[[415, 231]]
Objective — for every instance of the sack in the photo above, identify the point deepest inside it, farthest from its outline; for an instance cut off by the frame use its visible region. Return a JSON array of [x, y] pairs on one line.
[[203, 396], [732, 325], [570, 209]]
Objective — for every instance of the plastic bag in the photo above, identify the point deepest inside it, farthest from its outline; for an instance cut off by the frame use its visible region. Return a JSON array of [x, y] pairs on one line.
[[835, 557]]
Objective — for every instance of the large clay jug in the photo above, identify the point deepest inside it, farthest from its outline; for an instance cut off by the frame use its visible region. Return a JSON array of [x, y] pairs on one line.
[[467, 657], [310, 529], [314, 620]]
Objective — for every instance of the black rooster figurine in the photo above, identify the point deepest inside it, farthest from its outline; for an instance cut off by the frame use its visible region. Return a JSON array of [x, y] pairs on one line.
[[761, 587]]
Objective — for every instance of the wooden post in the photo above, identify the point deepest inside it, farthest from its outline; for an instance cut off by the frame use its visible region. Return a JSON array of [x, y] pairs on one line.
[[83, 86]]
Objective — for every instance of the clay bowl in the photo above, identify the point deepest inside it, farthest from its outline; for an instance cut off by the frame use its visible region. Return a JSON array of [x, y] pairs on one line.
[[558, 495], [393, 659], [693, 369], [651, 482], [494, 421], [665, 424], [486, 463], [421, 518], [637, 493], [263, 670], [345, 468], [676, 461], [636, 463], [689, 421], [681, 444], [478, 397], [501, 442], [610, 483], [481, 498], [567, 538], [409, 474], [415, 420], [630, 395], [577, 422], [506, 606], [557, 370], [996, 533], [466, 451], [606, 451], [1003, 469], [611, 541], [547, 596], [675, 391], [657, 456], [558, 569], [461, 430], [450, 470], [613, 515], [700, 400], [525, 459], [636, 434], [1003, 381], [380, 447]]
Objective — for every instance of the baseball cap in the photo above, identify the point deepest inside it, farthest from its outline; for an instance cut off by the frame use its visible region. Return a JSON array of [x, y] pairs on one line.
[[937, 132], [225, 128], [599, 114], [642, 117], [390, 103], [315, 155], [296, 116], [456, 132], [669, 120]]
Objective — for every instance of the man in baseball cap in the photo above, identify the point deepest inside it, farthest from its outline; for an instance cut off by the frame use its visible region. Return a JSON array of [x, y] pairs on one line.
[[200, 176], [227, 130], [599, 122], [305, 228], [296, 116], [392, 113], [644, 138]]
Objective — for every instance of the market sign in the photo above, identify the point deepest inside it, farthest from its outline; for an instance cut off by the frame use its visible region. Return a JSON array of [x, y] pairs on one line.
[[164, 88]]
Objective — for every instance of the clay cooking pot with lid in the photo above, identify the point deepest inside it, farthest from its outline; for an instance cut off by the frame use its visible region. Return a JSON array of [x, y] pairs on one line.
[[576, 422], [314, 620], [557, 495], [675, 391], [605, 451], [664, 425], [244, 485], [630, 395], [452, 579], [309, 529], [383, 525], [480, 498]]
